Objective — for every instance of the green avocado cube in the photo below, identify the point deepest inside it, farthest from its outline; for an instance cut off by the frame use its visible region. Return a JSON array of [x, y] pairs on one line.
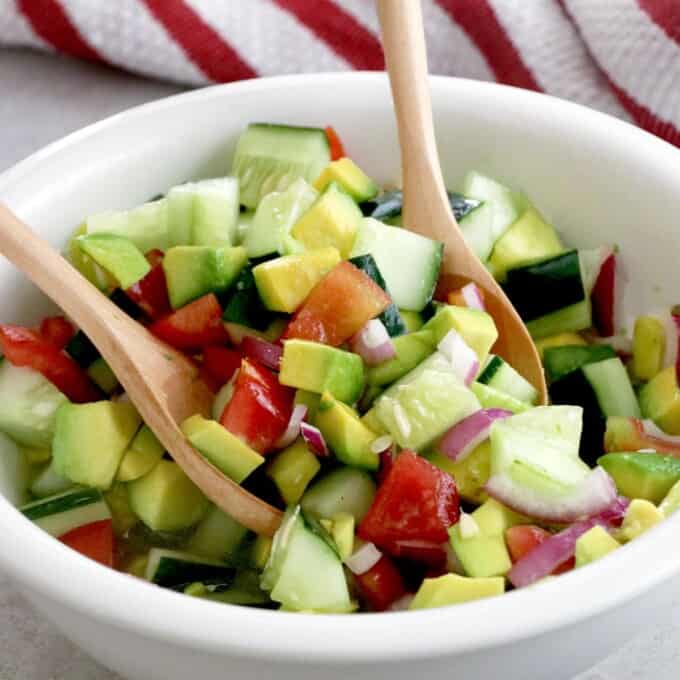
[[117, 255], [102, 375], [320, 368], [660, 401], [349, 438], [292, 469], [193, 271], [333, 220], [671, 502], [594, 544], [410, 350], [143, 454], [224, 450], [640, 516], [165, 499], [350, 177], [454, 589], [90, 440]]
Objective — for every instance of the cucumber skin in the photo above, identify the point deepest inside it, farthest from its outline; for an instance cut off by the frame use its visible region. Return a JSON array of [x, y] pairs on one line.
[[70, 500], [560, 361]]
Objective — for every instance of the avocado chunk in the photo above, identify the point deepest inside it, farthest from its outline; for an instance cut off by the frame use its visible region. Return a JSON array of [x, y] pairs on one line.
[[310, 400], [594, 544], [284, 282], [217, 535], [292, 470], [421, 406], [143, 454], [475, 327], [319, 368], [471, 473], [348, 175], [410, 350], [528, 240], [165, 499], [345, 490], [640, 516], [660, 401], [558, 340], [649, 347], [90, 440], [333, 220], [118, 256], [671, 502], [193, 271], [454, 589], [349, 439], [485, 553], [412, 320], [342, 532], [642, 475], [225, 451]]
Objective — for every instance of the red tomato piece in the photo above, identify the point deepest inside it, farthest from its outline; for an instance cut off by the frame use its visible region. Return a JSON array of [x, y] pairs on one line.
[[93, 540], [381, 585], [337, 149], [57, 330], [220, 364], [338, 306], [522, 539], [260, 408], [25, 347], [602, 297], [386, 462], [193, 326], [425, 552], [150, 293], [416, 502]]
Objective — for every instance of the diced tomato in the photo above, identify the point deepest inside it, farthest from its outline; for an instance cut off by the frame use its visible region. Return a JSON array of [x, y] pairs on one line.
[[93, 540], [194, 326], [603, 295], [25, 347], [522, 539], [151, 293], [338, 306], [220, 364], [426, 552], [416, 502], [337, 149], [260, 408], [381, 585], [57, 330], [386, 462]]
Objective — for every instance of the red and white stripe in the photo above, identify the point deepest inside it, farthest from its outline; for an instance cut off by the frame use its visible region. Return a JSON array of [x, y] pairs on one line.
[[619, 56]]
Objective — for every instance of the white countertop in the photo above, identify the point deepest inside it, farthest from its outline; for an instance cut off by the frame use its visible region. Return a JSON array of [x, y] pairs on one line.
[[44, 98]]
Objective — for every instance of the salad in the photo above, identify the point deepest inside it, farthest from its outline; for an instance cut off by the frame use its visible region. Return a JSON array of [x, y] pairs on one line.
[[352, 390]]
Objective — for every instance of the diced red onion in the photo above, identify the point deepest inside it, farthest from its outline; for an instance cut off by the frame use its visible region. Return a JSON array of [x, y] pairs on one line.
[[402, 604], [467, 525], [603, 293], [473, 296], [363, 559], [293, 429], [462, 357], [462, 439], [314, 438], [373, 343], [381, 444], [649, 427], [593, 494], [670, 327], [264, 352]]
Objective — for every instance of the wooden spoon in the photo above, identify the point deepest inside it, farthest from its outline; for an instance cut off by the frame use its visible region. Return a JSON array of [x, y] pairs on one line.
[[162, 383], [426, 205]]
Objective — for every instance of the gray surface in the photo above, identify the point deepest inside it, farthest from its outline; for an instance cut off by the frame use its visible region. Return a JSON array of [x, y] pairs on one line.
[[49, 98]]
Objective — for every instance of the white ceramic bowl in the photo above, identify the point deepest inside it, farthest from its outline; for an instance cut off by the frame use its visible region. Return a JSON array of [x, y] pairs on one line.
[[598, 179]]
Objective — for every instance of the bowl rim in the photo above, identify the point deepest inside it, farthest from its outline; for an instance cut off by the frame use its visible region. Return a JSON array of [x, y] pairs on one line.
[[249, 633]]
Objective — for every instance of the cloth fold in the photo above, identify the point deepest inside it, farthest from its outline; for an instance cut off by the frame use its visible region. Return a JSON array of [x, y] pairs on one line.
[[618, 56]]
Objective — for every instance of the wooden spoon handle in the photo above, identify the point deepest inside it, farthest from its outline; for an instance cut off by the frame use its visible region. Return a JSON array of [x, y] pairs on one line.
[[403, 36]]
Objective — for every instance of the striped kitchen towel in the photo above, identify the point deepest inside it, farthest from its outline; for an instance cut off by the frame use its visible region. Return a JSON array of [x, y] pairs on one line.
[[619, 56]]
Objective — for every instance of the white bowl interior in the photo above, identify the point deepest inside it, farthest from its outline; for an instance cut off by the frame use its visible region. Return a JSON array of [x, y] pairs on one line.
[[598, 180]]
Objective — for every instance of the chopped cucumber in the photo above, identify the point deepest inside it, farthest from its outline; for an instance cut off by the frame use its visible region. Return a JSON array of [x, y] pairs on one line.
[[146, 226], [498, 374], [271, 157], [102, 376], [217, 535], [172, 568], [49, 482], [275, 216], [576, 317], [560, 361], [28, 405], [60, 514], [204, 213], [492, 398], [346, 490], [477, 228], [81, 349], [408, 262], [609, 379], [244, 306], [14, 471]]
